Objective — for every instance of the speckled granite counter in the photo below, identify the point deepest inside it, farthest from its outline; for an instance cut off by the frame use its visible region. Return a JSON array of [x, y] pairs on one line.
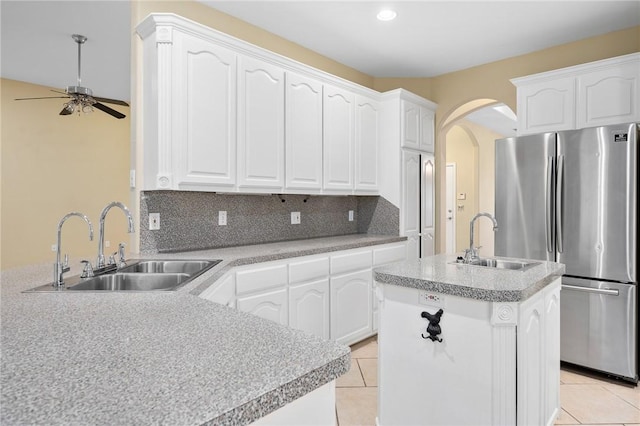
[[157, 358], [437, 273]]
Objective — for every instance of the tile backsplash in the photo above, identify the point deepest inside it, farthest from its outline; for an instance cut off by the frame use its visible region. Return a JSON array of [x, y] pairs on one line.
[[189, 220]]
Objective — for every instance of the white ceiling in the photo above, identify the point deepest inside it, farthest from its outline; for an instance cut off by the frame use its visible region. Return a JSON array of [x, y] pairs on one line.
[[428, 38]]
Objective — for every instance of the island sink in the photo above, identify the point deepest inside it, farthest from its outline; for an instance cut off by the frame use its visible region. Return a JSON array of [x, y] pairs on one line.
[[514, 265]]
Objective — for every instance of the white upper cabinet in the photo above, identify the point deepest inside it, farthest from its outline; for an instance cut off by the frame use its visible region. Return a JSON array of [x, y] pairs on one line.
[[367, 144], [260, 124], [339, 139], [303, 132], [588, 95], [418, 127], [205, 75], [609, 95]]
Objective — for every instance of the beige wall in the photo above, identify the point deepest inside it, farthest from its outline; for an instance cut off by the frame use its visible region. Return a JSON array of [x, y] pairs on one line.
[[52, 165], [468, 142], [462, 149]]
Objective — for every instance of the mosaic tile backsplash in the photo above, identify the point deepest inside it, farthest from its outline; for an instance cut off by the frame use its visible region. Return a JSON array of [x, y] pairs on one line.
[[189, 220]]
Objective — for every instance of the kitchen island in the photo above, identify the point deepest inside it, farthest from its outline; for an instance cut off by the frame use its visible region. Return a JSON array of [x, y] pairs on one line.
[[158, 357], [464, 344]]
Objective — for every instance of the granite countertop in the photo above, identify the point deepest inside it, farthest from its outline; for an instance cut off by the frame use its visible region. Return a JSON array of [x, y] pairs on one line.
[[440, 274], [157, 357]]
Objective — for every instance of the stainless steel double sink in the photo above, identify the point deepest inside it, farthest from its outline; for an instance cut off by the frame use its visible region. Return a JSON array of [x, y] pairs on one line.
[[514, 265], [139, 275]]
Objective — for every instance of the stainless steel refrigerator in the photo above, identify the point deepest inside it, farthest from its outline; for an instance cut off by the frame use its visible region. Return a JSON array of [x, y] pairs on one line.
[[571, 197]]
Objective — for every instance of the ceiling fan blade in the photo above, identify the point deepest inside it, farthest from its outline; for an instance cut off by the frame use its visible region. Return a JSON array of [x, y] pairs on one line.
[[46, 97], [65, 111], [111, 101], [108, 110]]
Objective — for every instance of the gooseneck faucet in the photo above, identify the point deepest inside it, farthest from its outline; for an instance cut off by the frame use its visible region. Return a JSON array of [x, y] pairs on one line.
[[100, 262], [60, 268], [472, 252]]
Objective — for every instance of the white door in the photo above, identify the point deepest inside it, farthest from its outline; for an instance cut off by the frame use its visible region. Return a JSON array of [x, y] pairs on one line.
[[309, 307], [260, 124], [303, 132], [205, 115], [450, 213], [367, 144], [271, 305], [339, 137], [351, 306], [411, 171], [427, 222]]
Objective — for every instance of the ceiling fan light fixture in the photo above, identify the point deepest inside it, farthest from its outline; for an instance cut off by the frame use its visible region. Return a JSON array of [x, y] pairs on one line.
[[386, 15]]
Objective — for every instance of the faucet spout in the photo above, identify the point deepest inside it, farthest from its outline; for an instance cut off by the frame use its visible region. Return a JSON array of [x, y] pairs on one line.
[[472, 252], [130, 229], [59, 268]]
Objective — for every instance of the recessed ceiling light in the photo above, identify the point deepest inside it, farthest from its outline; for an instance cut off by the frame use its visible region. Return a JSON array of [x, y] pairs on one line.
[[387, 15]]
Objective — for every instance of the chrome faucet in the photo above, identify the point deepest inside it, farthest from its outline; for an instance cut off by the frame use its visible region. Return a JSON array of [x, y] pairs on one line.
[[60, 268], [100, 262], [471, 253]]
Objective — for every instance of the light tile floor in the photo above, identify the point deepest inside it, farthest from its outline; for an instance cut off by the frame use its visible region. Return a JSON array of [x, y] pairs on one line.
[[585, 400]]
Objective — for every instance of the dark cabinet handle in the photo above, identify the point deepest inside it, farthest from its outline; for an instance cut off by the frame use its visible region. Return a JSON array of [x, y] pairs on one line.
[[434, 325]]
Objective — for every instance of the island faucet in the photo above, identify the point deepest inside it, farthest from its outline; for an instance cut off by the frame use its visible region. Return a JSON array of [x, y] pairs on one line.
[[60, 268], [100, 262], [471, 253]]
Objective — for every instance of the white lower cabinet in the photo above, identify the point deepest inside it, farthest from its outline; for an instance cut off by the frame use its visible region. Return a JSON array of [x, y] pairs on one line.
[[271, 305], [309, 307], [328, 295], [351, 306], [498, 360]]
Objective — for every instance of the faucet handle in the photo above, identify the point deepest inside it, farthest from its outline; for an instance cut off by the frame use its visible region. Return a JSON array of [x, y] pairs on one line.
[[66, 261], [121, 260], [87, 272]]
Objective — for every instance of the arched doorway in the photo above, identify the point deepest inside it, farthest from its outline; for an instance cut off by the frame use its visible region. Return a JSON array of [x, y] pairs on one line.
[[468, 137]]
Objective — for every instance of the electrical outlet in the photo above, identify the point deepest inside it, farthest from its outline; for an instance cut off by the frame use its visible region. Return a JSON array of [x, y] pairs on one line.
[[154, 221], [132, 178], [54, 247], [295, 218], [350, 215], [107, 244], [222, 218]]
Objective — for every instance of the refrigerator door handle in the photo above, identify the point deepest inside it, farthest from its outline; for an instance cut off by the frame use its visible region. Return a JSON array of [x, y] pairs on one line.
[[549, 207], [559, 185], [607, 291]]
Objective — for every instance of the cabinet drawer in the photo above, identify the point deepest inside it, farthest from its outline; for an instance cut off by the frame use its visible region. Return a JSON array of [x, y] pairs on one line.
[[260, 278], [351, 261], [389, 254], [307, 270]]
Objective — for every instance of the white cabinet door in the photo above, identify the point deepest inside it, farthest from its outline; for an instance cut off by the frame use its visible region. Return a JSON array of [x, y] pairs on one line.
[[303, 133], [552, 350], [223, 292], [427, 133], [260, 124], [609, 96], [338, 128], [204, 114], [271, 305], [309, 307], [547, 107], [367, 144], [410, 219], [428, 206], [351, 306], [410, 125]]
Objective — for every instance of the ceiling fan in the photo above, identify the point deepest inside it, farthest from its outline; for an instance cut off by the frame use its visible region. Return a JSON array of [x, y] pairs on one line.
[[81, 98]]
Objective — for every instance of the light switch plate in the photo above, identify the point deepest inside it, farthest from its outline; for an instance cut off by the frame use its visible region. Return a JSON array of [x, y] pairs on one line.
[[154, 221], [295, 218], [350, 215], [222, 217]]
